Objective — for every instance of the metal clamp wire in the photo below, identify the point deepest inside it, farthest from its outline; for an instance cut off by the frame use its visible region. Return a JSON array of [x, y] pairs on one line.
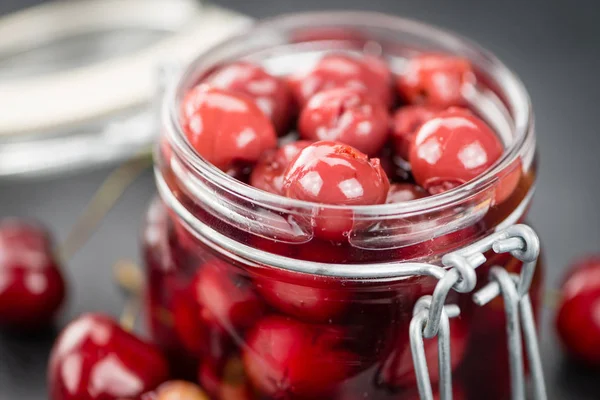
[[491, 291], [513, 330], [461, 277], [519, 240], [417, 325]]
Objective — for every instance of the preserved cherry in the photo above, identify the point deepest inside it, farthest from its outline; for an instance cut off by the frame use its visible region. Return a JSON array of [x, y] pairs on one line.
[[267, 174], [334, 173], [366, 73], [226, 127], [348, 116], [406, 122], [270, 93], [452, 148], [286, 358], [435, 79]]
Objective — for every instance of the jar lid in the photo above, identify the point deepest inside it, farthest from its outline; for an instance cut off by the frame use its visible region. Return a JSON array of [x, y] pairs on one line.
[[78, 78]]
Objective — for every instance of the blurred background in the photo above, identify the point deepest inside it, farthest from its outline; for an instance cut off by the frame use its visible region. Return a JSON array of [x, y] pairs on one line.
[[554, 46]]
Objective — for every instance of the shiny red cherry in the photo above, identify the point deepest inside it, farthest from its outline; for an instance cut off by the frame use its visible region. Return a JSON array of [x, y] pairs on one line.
[[32, 287], [194, 335], [407, 120], [176, 390], [226, 127], [95, 359], [334, 173], [367, 73], [398, 369], [578, 318], [452, 148], [435, 79], [225, 297], [348, 116], [315, 300], [285, 358], [268, 171], [400, 192], [217, 301], [270, 93]]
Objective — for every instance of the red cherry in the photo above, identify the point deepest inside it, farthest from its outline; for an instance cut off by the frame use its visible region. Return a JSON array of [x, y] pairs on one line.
[[407, 120], [367, 73], [268, 172], [334, 173], [216, 302], [270, 93], [32, 288], [226, 127], [398, 369], [400, 192], [226, 298], [348, 116], [435, 79], [451, 149], [193, 333], [578, 321], [308, 298], [95, 359], [285, 358]]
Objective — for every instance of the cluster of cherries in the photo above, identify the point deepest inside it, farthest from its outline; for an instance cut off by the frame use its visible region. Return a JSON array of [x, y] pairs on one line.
[[347, 131], [344, 130]]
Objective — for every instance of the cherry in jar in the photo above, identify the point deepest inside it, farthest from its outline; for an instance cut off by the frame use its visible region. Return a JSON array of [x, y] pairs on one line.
[[452, 148], [435, 79], [226, 127], [270, 92], [365, 73], [333, 173], [348, 116]]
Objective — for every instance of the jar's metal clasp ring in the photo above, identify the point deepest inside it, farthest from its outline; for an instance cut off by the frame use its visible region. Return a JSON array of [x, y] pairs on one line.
[[431, 314]]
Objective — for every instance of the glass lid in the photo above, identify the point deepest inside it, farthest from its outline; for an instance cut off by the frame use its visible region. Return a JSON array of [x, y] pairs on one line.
[[78, 78]]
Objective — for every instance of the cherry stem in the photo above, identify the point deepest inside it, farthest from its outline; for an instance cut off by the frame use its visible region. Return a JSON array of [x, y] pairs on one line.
[[107, 195], [128, 276], [130, 313]]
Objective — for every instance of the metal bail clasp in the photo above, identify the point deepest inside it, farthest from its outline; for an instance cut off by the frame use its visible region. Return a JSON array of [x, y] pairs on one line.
[[431, 315], [417, 328], [519, 315]]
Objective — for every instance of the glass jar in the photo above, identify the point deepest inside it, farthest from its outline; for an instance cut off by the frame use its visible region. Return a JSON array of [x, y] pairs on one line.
[[247, 300]]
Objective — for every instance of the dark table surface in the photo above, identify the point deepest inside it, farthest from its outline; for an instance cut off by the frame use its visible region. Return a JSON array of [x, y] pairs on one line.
[[553, 45]]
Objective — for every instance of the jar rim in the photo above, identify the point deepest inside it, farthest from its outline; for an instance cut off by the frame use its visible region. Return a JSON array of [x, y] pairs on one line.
[[511, 86]]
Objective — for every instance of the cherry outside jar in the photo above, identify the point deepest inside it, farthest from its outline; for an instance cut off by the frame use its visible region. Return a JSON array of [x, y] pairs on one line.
[[250, 303]]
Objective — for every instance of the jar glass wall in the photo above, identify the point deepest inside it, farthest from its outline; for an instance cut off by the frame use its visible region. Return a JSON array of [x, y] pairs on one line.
[[252, 302]]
